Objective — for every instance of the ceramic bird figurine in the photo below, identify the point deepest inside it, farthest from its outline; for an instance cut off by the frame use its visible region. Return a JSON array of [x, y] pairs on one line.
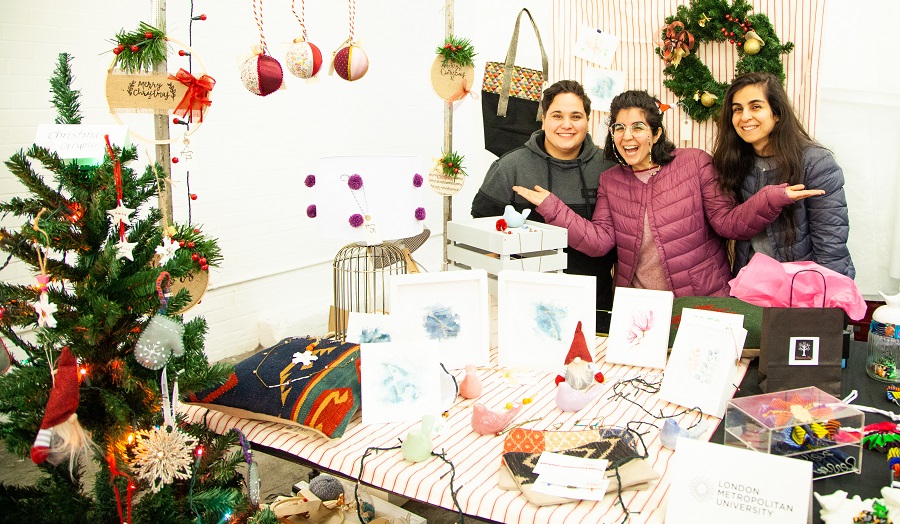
[[487, 422], [470, 385], [514, 218], [417, 446], [671, 431], [571, 400]]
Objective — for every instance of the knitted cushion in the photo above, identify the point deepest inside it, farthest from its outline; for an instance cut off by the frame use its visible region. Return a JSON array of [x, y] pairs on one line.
[[300, 381], [752, 315]]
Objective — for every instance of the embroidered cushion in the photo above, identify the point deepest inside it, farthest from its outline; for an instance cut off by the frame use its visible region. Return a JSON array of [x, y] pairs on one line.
[[302, 381]]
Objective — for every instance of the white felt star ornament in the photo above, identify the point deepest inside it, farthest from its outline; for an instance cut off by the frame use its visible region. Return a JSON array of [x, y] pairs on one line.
[[167, 250], [45, 310], [306, 358], [124, 249], [120, 213]]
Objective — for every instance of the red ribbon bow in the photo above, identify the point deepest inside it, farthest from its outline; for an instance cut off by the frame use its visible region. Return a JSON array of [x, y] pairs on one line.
[[197, 95], [676, 38], [459, 95]]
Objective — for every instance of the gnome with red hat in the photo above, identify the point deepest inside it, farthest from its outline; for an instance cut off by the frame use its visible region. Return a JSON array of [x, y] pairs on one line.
[[581, 372], [61, 435]]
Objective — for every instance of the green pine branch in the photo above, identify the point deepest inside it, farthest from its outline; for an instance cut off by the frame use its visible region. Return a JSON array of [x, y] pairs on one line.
[[65, 99]]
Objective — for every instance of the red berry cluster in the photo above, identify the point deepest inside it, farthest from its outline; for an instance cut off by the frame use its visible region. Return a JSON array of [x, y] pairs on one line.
[[745, 26], [196, 257], [452, 47], [450, 165]]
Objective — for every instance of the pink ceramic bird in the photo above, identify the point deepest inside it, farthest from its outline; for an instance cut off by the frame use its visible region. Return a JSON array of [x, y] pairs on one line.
[[571, 400], [487, 422], [470, 385]]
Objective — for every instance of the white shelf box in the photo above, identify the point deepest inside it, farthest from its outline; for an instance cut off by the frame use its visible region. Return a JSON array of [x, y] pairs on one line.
[[476, 244]]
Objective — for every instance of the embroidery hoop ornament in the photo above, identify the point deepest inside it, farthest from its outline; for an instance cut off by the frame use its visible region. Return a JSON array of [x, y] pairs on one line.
[[453, 70], [688, 77], [447, 176], [188, 132]]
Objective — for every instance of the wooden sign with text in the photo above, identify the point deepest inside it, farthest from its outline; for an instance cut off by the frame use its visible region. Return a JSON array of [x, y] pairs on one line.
[[154, 91]]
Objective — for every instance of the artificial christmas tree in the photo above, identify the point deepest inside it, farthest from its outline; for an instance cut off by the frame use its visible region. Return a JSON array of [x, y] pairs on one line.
[[75, 220]]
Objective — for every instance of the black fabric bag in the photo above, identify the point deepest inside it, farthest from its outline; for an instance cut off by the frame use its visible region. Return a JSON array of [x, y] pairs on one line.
[[801, 346], [511, 97]]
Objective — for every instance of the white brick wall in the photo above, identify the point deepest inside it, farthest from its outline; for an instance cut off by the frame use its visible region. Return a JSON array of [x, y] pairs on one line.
[[252, 153]]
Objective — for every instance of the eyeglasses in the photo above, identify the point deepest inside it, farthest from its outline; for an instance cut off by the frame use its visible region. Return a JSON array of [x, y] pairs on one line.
[[637, 129]]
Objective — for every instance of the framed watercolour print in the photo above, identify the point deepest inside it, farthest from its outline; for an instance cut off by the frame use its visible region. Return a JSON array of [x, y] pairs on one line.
[[537, 314], [704, 360], [449, 309], [399, 381], [369, 328], [639, 329]]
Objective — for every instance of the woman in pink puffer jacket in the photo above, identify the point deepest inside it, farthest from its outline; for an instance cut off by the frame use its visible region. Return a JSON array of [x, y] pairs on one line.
[[662, 207]]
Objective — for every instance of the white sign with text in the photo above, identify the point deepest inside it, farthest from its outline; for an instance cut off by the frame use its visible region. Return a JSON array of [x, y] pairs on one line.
[[717, 483], [80, 142]]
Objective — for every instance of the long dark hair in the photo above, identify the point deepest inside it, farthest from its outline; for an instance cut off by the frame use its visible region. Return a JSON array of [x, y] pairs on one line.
[[734, 158], [661, 152]]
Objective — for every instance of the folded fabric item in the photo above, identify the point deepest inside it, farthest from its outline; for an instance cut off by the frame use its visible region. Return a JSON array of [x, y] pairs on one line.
[[301, 381], [752, 316]]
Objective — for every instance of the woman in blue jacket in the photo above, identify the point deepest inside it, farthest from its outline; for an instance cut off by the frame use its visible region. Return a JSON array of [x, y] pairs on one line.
[[761, 142]]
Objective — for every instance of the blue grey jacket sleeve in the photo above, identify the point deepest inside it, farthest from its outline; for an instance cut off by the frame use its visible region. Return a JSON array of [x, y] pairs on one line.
[[829, 223]]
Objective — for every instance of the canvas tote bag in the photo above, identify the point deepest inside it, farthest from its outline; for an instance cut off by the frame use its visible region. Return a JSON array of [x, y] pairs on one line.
[[511, 97], [801, 346]]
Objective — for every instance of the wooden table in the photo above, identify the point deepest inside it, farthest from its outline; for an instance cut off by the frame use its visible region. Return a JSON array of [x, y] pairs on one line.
[[477, 458]]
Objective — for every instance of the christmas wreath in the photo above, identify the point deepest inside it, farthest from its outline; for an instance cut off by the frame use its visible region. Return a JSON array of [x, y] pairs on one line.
[[757, 44]]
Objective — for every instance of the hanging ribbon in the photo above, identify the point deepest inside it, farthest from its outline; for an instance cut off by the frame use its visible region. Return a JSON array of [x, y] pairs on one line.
[[162, 289], [676, 44], [117, 173], [196, 99], [114, 472], [463, 91]]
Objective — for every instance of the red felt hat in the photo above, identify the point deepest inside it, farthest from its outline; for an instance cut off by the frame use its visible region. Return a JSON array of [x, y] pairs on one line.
[[63, 402], [579, 347]]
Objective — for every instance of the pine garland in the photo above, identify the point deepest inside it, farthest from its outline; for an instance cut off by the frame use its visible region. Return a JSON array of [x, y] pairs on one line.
[[717, 21], [65, 99], [458, 50], [451, 165]]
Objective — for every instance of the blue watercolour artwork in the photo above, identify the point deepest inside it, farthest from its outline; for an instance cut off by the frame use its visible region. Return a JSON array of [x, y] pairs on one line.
[[548, 318], [441, 323], [373, 336], [399, 386]]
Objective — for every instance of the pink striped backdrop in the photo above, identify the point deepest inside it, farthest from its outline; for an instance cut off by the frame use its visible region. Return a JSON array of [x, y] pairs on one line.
[[635, 23], [476, 458]]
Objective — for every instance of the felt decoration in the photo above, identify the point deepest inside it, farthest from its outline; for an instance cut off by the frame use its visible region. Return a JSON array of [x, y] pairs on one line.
[[262, 75], [162, 337], [580, 371], [61, 435]]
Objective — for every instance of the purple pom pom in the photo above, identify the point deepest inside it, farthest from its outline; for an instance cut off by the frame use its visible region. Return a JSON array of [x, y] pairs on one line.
[[356, 220], [420, 213], [355, 182], [311, 211], [417, 180], [310, 180]]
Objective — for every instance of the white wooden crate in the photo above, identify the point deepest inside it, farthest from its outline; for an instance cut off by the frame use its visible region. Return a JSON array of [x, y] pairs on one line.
[[476, 243]]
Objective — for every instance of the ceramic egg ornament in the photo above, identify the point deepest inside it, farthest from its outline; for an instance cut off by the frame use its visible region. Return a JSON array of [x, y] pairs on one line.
[[262, 75], [303, 59], [351, 62]]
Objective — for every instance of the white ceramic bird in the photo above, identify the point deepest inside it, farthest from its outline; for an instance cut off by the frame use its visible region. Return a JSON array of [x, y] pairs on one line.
[[571, 400], [514, 218]]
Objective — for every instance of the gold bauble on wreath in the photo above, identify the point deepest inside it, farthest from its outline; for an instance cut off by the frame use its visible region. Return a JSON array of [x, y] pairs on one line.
[[708, 99], [751, 46]]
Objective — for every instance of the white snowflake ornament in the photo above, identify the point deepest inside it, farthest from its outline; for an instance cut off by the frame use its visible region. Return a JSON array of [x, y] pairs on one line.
[[306, 358], [162, 455], [167, 250], [45, 310]]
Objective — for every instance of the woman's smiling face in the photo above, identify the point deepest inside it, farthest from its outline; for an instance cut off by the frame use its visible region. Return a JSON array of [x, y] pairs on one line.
[[632, 139], [565, 126], [752, 117]]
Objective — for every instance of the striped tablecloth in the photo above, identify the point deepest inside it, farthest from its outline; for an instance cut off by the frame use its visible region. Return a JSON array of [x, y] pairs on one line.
[[477, 458]]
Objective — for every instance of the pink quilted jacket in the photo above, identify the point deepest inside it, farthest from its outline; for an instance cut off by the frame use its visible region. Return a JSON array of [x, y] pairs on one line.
[[689, 216]]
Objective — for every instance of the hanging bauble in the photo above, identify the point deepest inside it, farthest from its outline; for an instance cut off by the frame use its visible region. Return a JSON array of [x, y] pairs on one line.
[[351, 62], [161, 338], [753, 42], [262, 75], [708, 99], [303, 59]]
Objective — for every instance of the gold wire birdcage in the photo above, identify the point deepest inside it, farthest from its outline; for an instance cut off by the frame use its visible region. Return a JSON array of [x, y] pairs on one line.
[[361, 275]]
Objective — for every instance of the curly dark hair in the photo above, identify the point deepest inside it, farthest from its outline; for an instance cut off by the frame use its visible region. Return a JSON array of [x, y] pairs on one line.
[[661, 152]]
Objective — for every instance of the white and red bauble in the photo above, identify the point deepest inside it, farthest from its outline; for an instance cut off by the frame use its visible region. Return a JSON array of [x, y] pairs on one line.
[[262, 75], [351, 62], [303, 59]]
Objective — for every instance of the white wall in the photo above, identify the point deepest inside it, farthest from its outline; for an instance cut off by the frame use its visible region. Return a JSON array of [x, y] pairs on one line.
[[252, 153]]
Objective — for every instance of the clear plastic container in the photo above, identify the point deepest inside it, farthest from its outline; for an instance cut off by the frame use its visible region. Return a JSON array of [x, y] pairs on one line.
[[883, 361]]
